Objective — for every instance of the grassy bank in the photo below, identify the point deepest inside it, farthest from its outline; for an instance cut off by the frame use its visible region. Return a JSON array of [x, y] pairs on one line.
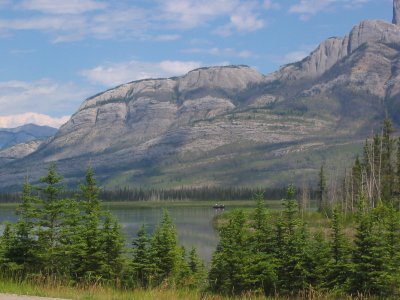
[[57, 290]]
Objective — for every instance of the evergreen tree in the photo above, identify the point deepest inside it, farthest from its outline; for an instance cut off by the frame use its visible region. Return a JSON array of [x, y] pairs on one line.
[[340, 266], [388, 172], [371, 273], [165, 249], [50, 251], [292, 260], [143, 268], [318, 260], [357, 184], [398, 169], [6, 259], [112, 249], [391, 233], [23, 246], [322, 189], [91, 255], [230, 267], [197, 269]]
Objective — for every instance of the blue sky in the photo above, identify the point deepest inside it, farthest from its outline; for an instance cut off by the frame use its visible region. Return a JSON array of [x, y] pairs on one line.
[[55, 53]]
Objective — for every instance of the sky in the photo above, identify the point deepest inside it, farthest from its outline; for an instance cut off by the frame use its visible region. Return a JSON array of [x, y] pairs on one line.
[[56, 53]]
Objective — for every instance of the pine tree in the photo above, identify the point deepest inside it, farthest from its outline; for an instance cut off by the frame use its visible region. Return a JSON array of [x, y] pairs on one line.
[[391, 233], [371, 273], [292, 259], [322, 189], [165, 249], [24, 244], [112, 249], [228, 274], [357, 184], [318, 260], [6, 256], [398, 169], [50, 252], [197, 269], [388, 172], [91, 237], [340, 266], [143, 268]]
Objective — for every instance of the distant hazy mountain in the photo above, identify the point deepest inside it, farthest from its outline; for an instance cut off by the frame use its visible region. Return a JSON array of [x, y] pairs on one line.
[[13, 136], [232, 125]]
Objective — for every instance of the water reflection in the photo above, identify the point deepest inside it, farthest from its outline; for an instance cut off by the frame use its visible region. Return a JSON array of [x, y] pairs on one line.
[[194, 224]]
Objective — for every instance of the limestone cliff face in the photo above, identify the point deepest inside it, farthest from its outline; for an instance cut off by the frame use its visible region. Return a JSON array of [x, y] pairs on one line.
[[396, 12], [137, 112], [331, 51], [232, 125]]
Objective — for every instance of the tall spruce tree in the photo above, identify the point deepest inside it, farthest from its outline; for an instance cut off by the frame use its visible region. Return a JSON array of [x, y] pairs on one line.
[[339, 269], [112, 249], [91, 235], [50, 251], [230, 267], [292, 259], [24, 244], [197, 270], [164, 246], [388, 171], [398, 169], [371, 273], [357, 182], [322, 189], [143, 267]]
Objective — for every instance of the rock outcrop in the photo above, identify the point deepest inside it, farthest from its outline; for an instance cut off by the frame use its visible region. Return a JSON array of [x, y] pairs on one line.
[[232, 125], [396, 12]]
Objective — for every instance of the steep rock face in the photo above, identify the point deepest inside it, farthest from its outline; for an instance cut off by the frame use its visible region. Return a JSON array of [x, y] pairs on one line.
[[141, 111], [396, 12], [232, 125], [329, 52]]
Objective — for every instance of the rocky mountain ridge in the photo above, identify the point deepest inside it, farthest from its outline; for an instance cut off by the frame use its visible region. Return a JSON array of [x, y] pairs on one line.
[[232, 125]]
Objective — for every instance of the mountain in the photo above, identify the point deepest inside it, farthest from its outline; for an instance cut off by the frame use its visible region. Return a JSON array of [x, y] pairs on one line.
[[232, 125], [13, 136]]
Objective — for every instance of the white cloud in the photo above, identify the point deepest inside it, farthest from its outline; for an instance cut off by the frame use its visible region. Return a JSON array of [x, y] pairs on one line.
[[42, 96], [245, 18], [12, 121], [269, 4], [62, 7], [74, 20], [112, 74], [166, 37], [226, 52], [118, 23], [308, 8], [186, 14]]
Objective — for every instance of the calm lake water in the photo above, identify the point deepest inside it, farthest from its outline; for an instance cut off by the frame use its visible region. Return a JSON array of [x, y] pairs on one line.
[[193, 223]]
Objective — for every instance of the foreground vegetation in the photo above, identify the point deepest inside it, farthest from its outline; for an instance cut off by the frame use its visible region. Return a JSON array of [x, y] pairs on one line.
[[352, 248]]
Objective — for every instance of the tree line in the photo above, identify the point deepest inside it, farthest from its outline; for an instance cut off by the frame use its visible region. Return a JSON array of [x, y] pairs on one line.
[[207, 193], [281, 255], [272, 253], [76, 240], [375, 174]]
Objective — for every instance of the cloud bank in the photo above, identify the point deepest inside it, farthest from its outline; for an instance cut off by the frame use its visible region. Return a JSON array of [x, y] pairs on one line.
[[12, 121]]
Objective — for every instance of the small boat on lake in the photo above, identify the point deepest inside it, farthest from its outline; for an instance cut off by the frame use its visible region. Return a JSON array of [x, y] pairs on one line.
[[218, 206]]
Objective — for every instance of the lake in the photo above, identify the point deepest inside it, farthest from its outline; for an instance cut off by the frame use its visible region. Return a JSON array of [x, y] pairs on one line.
[[193, 220]]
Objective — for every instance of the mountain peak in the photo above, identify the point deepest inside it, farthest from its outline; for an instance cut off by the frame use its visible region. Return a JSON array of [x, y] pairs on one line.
[[396, 12]]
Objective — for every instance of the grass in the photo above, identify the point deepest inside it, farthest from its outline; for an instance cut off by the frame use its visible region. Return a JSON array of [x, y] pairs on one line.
[[96, 292]]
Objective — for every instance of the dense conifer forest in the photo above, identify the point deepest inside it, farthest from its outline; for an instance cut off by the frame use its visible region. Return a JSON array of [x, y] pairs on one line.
[[271, 253]]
